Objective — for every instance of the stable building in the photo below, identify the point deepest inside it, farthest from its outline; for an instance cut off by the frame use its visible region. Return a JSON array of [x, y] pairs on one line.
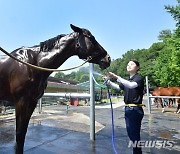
[[57, 85]]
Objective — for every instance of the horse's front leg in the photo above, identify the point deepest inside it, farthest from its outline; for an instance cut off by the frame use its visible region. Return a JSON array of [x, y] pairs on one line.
[[24, 110]]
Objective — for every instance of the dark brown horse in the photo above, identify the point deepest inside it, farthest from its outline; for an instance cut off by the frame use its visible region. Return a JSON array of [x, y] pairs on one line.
[[171, 91], [24, 85]]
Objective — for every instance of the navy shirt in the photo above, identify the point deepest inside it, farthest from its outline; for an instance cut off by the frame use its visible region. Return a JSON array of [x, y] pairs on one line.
[[135, 95]]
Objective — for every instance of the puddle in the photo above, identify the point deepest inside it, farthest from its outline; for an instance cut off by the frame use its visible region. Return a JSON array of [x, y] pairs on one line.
[[165, 134]]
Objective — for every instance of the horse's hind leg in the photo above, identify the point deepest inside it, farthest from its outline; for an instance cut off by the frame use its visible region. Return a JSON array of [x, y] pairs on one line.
[[156, 102], [24, 110]]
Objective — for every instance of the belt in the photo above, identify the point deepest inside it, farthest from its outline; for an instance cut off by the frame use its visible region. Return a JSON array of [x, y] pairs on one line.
[[132, 105]]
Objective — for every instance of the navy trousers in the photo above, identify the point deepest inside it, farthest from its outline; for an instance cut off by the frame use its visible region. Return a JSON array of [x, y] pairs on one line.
[[133, 118]]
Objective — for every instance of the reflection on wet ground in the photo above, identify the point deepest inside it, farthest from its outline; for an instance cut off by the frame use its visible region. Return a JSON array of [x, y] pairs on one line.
[[57, 132]]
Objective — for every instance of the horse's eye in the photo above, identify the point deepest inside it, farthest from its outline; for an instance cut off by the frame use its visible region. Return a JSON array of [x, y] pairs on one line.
[[92, 38]]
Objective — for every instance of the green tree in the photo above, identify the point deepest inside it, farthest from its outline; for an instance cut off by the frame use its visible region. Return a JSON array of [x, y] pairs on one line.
[[84, 78], [167, 66], [175, 12], [164, 34], [59, 75]]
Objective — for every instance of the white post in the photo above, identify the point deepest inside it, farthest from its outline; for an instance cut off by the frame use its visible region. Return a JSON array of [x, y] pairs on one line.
[[92, 103], [148, 98]]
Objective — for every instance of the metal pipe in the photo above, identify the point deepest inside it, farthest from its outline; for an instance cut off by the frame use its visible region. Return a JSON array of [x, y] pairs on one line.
[[164, 97], [148, 98], [40, 105], [70, 95], [92, 104]]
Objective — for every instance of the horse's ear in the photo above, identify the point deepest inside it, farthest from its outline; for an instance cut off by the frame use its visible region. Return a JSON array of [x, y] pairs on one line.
[[76, 29]]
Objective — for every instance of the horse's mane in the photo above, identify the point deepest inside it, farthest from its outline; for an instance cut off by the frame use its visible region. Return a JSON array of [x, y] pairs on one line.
[[46, 45], [49, 44]]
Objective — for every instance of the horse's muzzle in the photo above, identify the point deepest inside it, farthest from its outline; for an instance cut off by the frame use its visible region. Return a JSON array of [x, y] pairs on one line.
[[105, 62]]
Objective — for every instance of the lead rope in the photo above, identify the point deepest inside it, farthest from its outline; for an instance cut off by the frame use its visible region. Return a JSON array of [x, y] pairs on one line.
[[112, 113], [42, 68]]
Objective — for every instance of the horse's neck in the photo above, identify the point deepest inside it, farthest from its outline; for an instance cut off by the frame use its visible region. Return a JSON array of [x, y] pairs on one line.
[[52, 59], [57, 56]]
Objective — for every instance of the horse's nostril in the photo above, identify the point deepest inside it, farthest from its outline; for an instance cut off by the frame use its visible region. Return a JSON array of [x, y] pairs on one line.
[[109, 58]]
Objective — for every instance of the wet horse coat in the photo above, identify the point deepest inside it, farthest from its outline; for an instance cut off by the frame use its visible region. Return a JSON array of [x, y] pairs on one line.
[[24, 85]]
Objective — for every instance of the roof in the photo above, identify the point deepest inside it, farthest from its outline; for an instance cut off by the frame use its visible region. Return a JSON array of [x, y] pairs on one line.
[[61, 80]]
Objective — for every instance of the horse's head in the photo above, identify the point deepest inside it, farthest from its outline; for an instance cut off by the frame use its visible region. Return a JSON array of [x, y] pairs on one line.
[[87, 46]]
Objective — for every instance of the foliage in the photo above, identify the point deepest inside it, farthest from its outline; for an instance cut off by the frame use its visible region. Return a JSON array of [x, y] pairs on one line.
[[175, 12], [167, 66], [59, 75], [82, 75]]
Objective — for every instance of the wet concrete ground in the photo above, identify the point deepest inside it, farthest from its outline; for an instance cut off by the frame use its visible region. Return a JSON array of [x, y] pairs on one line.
[[57, 132]]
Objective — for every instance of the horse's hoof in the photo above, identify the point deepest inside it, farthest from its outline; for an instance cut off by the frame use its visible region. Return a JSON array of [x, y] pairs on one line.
[[163, 110]]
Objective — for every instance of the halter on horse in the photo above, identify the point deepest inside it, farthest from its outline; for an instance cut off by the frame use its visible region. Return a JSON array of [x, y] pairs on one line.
[[24, 85]]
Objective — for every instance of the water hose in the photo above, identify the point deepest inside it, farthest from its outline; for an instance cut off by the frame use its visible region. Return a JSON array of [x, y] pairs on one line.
[[112, 117], [112, 113]]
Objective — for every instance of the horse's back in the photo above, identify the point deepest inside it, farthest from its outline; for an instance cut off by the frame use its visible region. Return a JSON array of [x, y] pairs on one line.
[[175, 91], [171, 91], [160, 91]]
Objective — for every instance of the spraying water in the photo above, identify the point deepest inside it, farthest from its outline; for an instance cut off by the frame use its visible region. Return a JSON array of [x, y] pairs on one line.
[[96, 73]]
